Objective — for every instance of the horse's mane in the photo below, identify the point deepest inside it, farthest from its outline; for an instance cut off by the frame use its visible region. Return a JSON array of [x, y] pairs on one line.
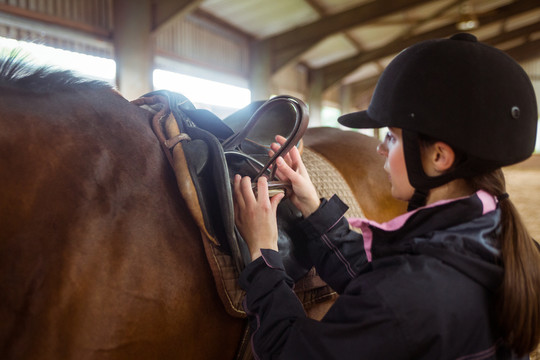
[[19, 73]]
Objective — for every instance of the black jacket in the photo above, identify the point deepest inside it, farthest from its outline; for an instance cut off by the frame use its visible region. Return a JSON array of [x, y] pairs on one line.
[[421, 286]]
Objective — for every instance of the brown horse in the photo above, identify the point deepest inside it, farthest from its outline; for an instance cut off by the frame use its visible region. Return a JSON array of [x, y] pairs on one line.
[[99, 257]]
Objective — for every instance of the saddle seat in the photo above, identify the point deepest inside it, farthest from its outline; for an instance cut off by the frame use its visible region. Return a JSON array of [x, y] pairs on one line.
[[206, 152]]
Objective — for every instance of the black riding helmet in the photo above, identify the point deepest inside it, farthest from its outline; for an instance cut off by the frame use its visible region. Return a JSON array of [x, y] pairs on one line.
[[465, 93]]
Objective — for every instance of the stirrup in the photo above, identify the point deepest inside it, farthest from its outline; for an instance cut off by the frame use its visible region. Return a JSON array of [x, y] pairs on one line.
[[232, 144]]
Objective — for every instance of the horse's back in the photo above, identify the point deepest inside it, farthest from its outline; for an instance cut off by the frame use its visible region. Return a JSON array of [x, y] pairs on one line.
[[355, 157], [98, 255]]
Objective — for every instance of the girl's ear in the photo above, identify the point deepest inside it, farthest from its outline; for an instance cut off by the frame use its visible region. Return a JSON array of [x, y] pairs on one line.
[[442, 156]]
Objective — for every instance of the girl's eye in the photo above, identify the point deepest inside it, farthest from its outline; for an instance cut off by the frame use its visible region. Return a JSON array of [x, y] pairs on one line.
[[389, 137]]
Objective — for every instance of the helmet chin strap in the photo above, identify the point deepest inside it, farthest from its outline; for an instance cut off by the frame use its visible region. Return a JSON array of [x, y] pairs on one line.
[[423, 183], [418, 199]]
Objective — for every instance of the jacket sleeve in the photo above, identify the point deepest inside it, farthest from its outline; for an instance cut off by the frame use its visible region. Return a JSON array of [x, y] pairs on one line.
[[280, 328], [336, 251]]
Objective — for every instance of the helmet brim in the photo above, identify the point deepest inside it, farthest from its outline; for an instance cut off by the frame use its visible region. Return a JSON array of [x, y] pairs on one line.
[[359, 120]]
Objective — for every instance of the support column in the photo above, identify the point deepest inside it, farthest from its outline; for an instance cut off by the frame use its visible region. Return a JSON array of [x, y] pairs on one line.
[[260, 78], [315, 95], [133, 48], [345, 98]]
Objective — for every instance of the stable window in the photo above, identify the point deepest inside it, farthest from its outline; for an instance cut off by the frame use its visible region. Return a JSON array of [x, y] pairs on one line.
[[220, 98]]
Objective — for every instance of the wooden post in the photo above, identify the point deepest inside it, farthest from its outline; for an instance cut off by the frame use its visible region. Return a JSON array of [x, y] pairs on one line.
[[260, 77], [133, 48], [345, 98], [315, 95]]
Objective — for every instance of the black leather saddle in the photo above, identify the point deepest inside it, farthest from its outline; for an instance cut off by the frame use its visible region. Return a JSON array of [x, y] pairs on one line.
[[206, 152]]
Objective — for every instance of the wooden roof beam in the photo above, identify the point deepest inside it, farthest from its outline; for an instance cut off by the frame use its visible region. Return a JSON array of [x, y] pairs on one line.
[[523, 52], [524, 31], [336, 71], [287, 46], [165, 12], [526, 51]]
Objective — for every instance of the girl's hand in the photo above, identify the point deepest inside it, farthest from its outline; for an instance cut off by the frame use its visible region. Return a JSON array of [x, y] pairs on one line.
[[291, 168], [255, 217]]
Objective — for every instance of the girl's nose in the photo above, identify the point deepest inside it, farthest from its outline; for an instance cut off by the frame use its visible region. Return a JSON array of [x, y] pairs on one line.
[[382, 149]]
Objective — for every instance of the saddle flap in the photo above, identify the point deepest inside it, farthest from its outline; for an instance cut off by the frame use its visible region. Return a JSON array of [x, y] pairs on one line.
[[198, 154], [214, 192]]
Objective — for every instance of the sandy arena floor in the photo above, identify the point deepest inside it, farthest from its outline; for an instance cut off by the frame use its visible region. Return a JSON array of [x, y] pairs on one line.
[[523, 185]]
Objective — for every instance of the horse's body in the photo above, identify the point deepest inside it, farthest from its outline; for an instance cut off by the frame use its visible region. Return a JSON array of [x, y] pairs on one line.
[[99, 257]]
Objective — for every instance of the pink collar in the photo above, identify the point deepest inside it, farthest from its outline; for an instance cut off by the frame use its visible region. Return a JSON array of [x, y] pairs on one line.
[[489, 203]]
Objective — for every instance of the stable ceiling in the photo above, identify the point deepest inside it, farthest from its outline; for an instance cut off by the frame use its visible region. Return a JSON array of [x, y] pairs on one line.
[[337, 41], [351, 41]]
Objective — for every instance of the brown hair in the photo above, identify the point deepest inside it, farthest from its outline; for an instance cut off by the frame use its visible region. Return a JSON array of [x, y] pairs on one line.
[[518, 304]]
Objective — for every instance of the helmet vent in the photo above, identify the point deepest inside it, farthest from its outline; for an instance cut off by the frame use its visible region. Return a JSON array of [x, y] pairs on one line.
[[515, 112]]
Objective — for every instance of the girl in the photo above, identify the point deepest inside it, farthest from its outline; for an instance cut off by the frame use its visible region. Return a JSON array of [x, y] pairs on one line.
[[457, 276]]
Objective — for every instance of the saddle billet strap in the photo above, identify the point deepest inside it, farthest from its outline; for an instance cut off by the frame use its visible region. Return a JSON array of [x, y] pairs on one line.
[[159, 108], [170, 143], [159, 105]]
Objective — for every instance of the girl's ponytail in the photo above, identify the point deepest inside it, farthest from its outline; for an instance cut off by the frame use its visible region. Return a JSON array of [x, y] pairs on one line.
[[518, 305]]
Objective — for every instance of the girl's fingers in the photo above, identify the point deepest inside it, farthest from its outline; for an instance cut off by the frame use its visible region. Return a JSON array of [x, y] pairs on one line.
[[286, 173], [281, 139], [274, 201], [262, 189], [288, 159], [247, 191], [238, 198], [275, 148], [294, 153], [296, 159], [285, 169]]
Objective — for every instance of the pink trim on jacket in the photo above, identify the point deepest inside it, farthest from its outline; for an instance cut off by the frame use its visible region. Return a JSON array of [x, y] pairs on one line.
[[489, 203]]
